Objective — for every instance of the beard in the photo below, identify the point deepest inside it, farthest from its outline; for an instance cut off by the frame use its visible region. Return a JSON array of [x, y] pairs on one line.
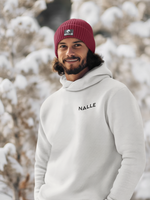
[[76, 70]]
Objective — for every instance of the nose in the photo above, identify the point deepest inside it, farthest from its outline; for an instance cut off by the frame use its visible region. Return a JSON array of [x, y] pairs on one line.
[[70, 52]]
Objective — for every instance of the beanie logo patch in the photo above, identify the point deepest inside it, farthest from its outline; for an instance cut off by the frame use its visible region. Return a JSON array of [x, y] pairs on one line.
[[68, 32]]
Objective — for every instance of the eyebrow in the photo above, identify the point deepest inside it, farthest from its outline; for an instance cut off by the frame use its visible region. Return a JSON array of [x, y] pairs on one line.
[[77, 41], [73, 42]]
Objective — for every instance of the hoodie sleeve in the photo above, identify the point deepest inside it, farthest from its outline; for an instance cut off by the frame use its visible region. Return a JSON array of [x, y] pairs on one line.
[[126, 124], [42, 155]]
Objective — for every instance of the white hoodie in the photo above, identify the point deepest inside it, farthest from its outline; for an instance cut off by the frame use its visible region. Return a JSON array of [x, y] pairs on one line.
[[90, 141]]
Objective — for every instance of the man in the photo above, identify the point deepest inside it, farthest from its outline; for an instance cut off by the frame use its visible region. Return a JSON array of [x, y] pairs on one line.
[[90, 141]]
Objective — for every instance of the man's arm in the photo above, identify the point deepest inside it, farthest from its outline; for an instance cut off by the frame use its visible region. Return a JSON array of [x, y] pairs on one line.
[[42, 155], [126, 124]]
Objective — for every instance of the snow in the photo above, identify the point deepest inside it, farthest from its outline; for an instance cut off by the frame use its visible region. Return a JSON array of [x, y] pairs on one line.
[[106, 50], [141, 94], [2, 32], [47, 55], [44, 89], [3, 160], [4, 63], [24, 24], [127, 51], [34, 59], [30, 122], [7, 9], [40, 5], [30, 154], [9, 33], [6, 85], [28, 64], [110, 15], [141, 29], [10, 149], [20, 82], [35, 106], [8, 91], [5, 190], [33, 80], [15, 165], [48, 35], [89, 12], [11, 95], [130, 9], [140, 70], [1, 108], [143, 188], [1, 79], [10, 5], [6, 118], [5, 197], [147, 130], [147, 100], [13, 3], [7, 131]]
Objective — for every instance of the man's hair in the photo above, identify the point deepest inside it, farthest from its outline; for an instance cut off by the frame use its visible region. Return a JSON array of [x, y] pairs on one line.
[[93, 60]]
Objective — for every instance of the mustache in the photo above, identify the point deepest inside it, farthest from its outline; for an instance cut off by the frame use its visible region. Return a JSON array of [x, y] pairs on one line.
[[73, 57]]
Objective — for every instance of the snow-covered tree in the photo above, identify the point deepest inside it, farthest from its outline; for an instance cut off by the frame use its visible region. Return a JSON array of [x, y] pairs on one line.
[[10, 172], [26, 79]]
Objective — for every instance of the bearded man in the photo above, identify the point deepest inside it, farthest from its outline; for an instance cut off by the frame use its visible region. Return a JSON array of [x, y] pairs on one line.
[[90, 141]]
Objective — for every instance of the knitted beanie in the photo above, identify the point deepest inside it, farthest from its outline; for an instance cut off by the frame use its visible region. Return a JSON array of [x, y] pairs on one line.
[[75, 28]]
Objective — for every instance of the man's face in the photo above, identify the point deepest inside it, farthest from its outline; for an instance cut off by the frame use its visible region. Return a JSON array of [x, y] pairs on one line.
[[72, 54]]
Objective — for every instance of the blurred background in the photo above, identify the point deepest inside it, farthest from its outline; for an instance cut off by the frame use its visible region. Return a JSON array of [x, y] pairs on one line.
[[122, 34]]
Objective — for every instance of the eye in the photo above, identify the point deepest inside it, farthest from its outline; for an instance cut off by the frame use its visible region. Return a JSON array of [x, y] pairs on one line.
[[77, 45], [62, 46]]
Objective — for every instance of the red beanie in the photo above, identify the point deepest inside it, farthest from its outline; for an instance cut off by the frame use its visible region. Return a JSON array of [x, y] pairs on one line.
[[75, 28]]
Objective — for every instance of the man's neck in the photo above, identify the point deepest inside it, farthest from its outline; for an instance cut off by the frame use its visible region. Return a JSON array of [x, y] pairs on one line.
[[74, 77]]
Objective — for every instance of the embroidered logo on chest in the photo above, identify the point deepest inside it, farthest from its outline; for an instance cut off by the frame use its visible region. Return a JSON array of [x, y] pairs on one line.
[[92, 105]]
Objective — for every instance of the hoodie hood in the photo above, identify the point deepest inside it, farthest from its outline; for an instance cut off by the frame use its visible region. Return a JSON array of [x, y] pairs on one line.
[[92, 77]]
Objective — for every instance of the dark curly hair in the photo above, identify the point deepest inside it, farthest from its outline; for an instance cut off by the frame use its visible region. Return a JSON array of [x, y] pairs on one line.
[[93, 60]]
